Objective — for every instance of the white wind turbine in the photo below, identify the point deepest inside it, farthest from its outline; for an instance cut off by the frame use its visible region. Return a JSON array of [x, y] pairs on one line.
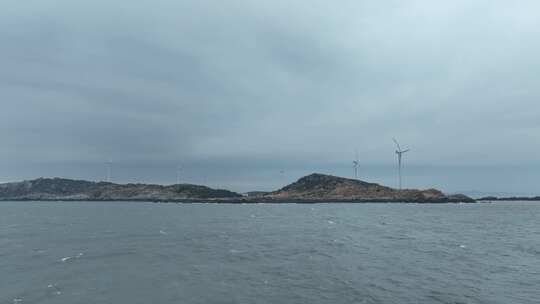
[[109, 169], [356, 164], [178, 174], [399, 154]]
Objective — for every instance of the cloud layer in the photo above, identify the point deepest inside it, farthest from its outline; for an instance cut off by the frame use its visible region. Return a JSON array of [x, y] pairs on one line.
[[243, 86]]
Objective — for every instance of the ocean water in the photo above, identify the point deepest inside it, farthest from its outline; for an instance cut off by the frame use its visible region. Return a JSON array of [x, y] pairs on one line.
[[97, 252]]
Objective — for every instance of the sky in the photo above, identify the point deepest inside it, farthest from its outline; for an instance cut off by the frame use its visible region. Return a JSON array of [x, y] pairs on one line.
[[250, 95]]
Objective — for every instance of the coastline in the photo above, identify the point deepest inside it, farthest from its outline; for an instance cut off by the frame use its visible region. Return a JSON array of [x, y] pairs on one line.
[[248, 201], [510, 199], [311, 189]]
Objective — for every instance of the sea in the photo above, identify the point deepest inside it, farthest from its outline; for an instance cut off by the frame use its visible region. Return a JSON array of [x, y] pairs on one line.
[[122, 252]]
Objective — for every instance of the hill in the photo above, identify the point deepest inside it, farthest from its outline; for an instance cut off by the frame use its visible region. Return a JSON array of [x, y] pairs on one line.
[[67, 189], [314, 188], [321, 187]]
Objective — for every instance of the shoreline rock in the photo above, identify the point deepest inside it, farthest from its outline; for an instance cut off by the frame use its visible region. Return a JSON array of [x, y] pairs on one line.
[[317, 187], [314, 188], [510, 199]]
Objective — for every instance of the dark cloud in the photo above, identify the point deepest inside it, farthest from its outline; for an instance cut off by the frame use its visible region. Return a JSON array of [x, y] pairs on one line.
[[237, 91]]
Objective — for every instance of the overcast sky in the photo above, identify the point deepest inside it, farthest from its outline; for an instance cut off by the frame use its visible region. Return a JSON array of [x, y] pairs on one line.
[[237, 91]]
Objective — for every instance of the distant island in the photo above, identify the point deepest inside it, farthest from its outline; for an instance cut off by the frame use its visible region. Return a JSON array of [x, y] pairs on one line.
[[68, 189], [510, 198], [314, 188], [328, 188]]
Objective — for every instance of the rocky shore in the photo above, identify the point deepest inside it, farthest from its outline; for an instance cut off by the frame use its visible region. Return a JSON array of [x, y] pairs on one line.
[[510, 199], [79, 190], [314, 188], [328, 188]]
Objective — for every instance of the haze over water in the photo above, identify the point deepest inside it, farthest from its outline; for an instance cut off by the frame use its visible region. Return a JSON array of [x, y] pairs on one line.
[[98, 252]]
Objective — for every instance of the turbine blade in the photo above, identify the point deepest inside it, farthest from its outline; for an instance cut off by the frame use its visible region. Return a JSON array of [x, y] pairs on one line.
[[397, 144]]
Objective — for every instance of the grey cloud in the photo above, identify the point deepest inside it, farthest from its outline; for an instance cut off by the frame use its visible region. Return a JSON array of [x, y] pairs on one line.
[[259, 86]]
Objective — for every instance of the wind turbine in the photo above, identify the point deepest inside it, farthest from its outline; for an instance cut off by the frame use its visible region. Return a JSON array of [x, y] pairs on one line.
[[282, 175], [356, 164], [399, 154], [109, 169], [178, 174]]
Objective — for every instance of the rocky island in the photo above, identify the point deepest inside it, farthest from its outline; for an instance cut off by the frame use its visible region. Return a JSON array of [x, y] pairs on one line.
[[327, 188], [510, 199], [80, 190], [314, 188]]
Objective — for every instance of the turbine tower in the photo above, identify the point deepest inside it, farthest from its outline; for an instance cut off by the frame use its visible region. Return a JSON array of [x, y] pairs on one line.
[[399, 154], [109, 169], [178, 174], [356, 164]]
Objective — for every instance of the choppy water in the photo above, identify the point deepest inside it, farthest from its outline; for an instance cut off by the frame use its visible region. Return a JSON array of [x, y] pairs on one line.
[[369, 253]]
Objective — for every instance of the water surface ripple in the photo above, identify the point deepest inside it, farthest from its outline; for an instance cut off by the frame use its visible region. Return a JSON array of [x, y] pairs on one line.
[[97, 252]]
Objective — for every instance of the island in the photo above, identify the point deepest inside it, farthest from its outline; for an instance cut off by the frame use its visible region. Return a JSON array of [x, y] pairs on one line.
[[510, 199], [314, 188], [80, 190], [319, 188]]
